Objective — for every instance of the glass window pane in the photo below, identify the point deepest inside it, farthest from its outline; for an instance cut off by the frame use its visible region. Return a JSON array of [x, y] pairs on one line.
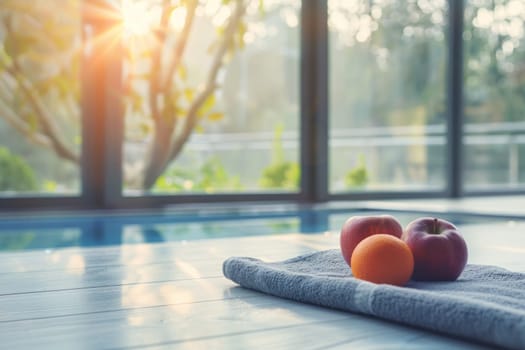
[[39, 97], [387, 95], [494, 94], [211, 97]]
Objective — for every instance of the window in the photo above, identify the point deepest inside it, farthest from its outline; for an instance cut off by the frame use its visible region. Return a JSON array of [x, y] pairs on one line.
[[123, 103], [494, 95], [211, 106], [387, 95], [40, 129]]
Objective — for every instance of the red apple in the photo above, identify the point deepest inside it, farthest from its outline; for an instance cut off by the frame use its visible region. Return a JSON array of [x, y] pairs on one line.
[[357, 228], [440, 252]]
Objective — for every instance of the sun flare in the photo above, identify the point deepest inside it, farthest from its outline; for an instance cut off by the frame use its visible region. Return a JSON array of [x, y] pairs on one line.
[[138, 17]]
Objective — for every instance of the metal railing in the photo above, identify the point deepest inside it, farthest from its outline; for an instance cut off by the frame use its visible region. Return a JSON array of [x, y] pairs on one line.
[[508, 134]]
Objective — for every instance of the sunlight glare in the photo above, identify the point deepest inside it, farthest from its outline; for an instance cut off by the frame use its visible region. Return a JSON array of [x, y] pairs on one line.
[[138, 17], [177, 18]]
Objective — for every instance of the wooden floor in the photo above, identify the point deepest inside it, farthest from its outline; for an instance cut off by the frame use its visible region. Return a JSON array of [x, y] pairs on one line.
[[173, 295]]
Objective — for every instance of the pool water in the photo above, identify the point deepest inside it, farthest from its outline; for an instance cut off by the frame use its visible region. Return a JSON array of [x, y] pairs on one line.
[[50, 232]]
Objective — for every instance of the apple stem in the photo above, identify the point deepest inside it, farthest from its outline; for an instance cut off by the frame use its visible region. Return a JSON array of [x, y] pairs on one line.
[[435, 231]]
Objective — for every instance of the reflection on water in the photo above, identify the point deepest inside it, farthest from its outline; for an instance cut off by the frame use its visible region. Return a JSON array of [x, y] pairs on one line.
[[16, 240], [70, 231]]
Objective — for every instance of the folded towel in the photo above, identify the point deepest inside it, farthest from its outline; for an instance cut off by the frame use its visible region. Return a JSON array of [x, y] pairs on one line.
[[485, 304]]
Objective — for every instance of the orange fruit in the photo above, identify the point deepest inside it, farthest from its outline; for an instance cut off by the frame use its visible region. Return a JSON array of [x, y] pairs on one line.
[[383, 258]]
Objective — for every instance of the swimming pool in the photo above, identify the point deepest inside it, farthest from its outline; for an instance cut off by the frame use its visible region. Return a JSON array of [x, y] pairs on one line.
[[91, 230]]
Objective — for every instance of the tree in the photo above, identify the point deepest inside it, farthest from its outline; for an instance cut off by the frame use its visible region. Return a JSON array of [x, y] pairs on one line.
[[494, 56], [39, 88], [174, 107]]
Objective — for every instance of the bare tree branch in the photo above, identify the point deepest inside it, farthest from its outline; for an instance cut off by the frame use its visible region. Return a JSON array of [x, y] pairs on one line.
[[163, 127], [167, 142], [155, 69], [209, 87], [22, 127], [181, 44], [48, 126]]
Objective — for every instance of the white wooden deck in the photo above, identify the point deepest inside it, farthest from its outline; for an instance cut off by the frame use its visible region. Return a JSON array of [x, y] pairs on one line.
[[173, 295]]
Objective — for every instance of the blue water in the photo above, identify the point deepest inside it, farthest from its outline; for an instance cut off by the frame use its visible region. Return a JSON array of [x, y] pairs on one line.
[[68, 230]]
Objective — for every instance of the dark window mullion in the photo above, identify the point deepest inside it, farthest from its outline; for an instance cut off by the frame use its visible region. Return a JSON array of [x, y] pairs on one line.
[[114, 125], [314, 100], [455, 100], [101, 108]]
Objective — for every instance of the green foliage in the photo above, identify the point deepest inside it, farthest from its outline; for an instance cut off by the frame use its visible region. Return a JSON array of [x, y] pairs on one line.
[[494, 83], [280, 174], [15, 173], [49, 186], [46, 47], [212, 176], [358, 176], [284, 226], [40, 51]]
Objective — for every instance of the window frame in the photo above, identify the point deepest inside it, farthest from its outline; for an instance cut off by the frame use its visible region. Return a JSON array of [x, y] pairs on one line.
[[102, 130]]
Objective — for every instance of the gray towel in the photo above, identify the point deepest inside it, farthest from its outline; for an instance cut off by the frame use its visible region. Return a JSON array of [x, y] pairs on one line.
[[485, 304]]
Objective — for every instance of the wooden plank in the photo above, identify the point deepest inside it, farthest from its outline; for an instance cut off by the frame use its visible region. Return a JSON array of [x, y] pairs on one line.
[[496, 244], [143, 264], [142, 254], [349, 333], [251, 321], [168, 323], [18, 307], [113, 276], [119, 275]]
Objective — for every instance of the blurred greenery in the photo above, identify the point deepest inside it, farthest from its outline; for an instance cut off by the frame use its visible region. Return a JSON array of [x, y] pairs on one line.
[[10, 241], [281, 173], [389, 66], [494, 61], [390, 69], [357, 177], [210, 177], [284, 225], [40, 86], [15, 174]]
